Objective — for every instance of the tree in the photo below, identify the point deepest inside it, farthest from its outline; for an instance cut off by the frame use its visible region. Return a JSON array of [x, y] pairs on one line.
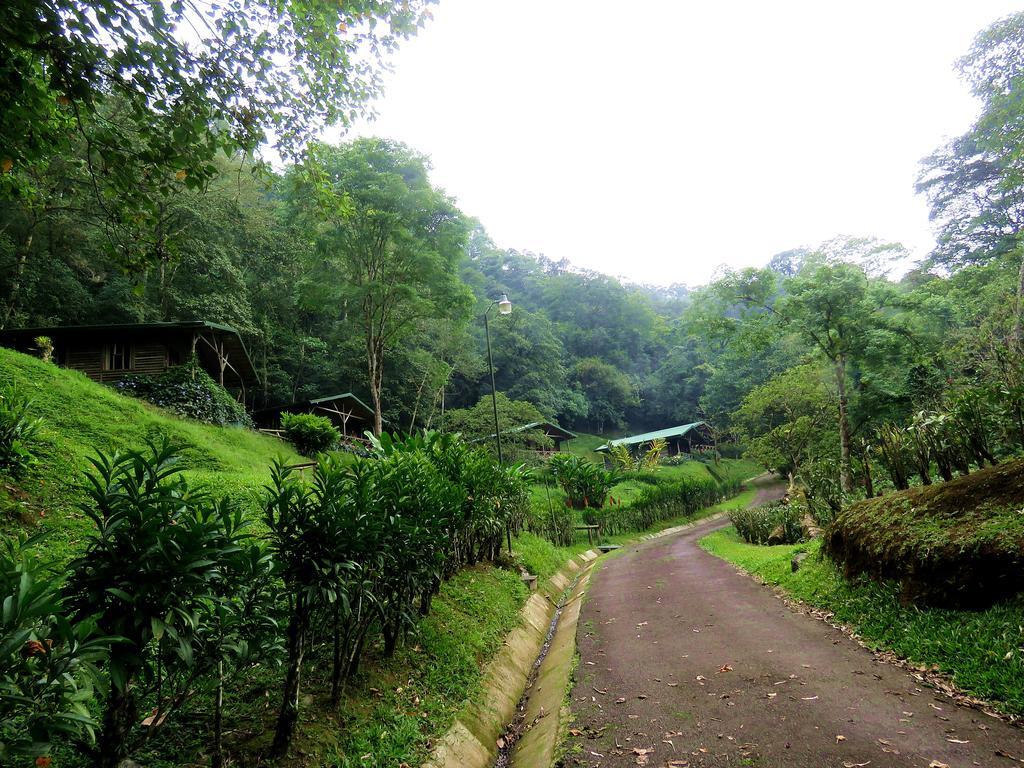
[[388, 244], [157, 90], [783, 419], [608, 391]]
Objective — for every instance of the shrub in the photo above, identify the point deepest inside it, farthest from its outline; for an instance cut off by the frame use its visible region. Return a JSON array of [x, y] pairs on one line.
[[309, 433], [47, 664], [662, 501], [585, 484], [188, 391], [17, 429], [777, 522], [151, 570]]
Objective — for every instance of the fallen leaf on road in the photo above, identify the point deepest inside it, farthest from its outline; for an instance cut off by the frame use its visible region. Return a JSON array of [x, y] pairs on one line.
[[937, 764], [1008, 756], [725, 668], [840, 738], [958, 741], [809, 698], [856, 765], [620, 700]]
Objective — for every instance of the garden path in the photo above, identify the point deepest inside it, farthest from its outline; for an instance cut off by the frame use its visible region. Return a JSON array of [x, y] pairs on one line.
[[687, 663]]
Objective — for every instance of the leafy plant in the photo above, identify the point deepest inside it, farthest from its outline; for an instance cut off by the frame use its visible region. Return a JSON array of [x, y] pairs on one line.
[[190, 392], [309, 433], [585, 484], [17, 430], [776, 523], [48, 672], [155, 561]]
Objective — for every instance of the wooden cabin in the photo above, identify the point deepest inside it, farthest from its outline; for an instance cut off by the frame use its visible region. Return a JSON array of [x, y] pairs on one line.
[[350, 414], [110, 352], [683, 439]]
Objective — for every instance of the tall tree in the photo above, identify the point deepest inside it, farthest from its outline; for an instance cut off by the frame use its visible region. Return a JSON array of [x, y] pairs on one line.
[[388, 246]]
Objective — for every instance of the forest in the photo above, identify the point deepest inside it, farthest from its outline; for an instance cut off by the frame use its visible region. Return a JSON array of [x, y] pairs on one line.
[[289, 256]]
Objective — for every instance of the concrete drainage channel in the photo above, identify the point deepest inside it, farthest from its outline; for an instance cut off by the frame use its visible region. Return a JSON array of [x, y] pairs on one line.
[[516, 720], [516, 723]]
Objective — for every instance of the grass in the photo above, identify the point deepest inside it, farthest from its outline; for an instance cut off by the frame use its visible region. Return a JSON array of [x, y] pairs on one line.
[[982, 651], [80, 417]]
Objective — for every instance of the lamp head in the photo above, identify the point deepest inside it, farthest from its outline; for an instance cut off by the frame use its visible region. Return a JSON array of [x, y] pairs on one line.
[[504, 305]]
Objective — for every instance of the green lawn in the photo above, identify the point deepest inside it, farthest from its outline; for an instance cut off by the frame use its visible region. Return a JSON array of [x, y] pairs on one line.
[[982, 651], [79, 417]]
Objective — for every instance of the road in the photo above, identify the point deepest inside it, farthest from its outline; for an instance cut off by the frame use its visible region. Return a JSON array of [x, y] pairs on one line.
[[685, 662]]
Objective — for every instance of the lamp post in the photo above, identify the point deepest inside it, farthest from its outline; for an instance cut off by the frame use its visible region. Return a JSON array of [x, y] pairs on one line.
[[504, 307]]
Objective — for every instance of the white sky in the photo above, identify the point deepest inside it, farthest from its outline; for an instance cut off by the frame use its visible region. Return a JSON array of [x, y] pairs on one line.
[[656, 141]]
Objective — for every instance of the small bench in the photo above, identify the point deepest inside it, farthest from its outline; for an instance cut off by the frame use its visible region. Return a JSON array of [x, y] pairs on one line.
[[591, 530]]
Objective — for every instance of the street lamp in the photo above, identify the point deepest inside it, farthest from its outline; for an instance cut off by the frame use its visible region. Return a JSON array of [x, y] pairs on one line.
[[504, 308]]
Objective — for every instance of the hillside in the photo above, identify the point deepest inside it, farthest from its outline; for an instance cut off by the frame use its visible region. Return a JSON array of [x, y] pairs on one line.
[[79, 417]]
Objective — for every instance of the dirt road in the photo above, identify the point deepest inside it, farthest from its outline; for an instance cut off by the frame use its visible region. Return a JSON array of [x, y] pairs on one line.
[[683, 659]]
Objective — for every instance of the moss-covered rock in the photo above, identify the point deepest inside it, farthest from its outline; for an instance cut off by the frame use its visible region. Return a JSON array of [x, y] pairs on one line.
[[957, 544]]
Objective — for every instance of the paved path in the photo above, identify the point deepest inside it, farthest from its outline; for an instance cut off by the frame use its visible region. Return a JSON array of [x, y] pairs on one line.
[[682, 655]]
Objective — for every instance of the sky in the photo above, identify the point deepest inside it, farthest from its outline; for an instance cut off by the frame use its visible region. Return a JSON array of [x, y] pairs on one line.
[[658, 141]]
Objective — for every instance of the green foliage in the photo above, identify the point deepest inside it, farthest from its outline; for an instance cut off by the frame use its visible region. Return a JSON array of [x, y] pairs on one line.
[[776, 523], [609, 393], [585, 484], [48, 674], [477, 423], [188, 391], [309, 433], [980, 649], [388, 246], [148, 574], [156, 104], [17, 430], [663, 501], [368, 543]]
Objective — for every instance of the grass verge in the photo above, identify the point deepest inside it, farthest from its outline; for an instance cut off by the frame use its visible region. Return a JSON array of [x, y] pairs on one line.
[[981, 651]]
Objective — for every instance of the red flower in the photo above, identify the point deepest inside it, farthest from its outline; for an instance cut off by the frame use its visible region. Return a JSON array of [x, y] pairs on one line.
[[33, 648], [44, 761]]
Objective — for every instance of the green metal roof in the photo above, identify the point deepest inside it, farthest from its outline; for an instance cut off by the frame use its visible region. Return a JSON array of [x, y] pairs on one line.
[[647, 437]]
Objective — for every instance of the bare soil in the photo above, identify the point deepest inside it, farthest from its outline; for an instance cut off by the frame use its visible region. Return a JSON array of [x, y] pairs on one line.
[[687, 663]]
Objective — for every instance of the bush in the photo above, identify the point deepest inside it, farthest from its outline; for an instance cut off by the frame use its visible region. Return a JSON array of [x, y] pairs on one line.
[[663, 501], [585, 484], [188, 391], [777, 523], [47, 664], [16, 431], [310, 434]]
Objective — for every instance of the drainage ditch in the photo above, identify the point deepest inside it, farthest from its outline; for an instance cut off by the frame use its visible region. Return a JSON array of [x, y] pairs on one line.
[[515, 729]]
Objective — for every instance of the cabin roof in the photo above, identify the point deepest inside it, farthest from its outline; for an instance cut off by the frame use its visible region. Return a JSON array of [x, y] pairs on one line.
[[238, 355], [312, 403], [646, 437]]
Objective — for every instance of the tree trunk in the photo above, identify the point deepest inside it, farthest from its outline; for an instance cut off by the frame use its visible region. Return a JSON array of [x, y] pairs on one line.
[[19, 274], [118, 721], [374, 369], [1018, 321], [869, 485], [289, 714], [217, 760], [845, 474]]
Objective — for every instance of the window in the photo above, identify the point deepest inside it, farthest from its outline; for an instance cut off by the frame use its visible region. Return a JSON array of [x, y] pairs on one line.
[[118, 357]]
